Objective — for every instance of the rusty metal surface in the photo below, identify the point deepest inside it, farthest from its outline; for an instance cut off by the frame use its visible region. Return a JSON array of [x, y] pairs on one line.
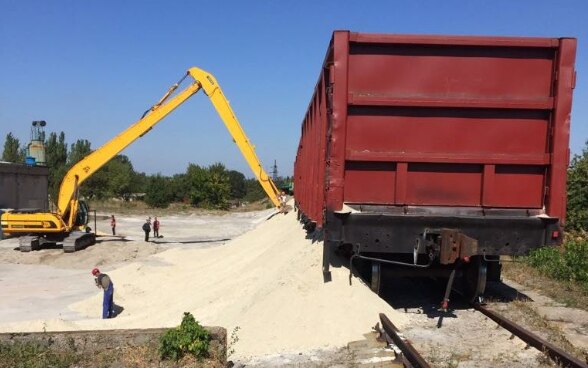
[[454, 245], [438, 121], [409, 352], [556, 354]]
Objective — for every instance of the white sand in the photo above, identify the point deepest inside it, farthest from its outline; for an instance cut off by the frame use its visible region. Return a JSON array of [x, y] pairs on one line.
[[267, 281]]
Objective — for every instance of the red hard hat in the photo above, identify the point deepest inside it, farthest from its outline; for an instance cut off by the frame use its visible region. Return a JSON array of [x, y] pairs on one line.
[[95, 271]]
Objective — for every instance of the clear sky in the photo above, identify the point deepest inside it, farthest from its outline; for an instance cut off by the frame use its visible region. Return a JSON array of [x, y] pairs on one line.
[[90, 68]]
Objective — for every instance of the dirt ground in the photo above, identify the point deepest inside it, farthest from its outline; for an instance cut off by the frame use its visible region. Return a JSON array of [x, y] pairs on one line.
[[255, 274], [40, 285], [259, 278]]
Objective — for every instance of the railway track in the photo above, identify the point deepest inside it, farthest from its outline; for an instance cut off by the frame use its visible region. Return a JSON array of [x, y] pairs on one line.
[[559, 356], [470, 316], [409, 355], [413, 359]]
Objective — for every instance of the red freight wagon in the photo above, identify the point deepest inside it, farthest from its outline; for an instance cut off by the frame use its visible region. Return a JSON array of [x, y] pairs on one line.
[[438, 152]]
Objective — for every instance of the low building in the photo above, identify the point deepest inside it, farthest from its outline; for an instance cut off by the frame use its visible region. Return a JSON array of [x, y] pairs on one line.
[[23, 186]]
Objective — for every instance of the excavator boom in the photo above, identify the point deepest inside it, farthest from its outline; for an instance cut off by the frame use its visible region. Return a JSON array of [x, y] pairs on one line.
[[221, 104], [64, 221], [202, 80]]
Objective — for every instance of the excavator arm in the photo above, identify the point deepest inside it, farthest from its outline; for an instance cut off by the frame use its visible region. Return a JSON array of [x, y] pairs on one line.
[[212, 89], [68, 193]]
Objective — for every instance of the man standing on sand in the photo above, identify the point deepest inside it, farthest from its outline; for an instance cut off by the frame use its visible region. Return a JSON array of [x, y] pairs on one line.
[[113, 225], [147, 228], [103, 281], [156, 228]]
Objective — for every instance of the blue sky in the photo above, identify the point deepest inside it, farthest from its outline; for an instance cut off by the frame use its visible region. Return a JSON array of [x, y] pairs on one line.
[[90, 68]]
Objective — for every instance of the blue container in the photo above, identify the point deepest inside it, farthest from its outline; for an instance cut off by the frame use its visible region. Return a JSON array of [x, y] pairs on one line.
[[30, 161]]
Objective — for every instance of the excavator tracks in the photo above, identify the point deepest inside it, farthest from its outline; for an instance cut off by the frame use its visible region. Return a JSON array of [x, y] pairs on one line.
[[78, 240], [28, 243]]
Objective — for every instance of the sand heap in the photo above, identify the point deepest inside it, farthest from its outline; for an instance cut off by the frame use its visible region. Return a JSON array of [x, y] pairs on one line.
[[267, 281]]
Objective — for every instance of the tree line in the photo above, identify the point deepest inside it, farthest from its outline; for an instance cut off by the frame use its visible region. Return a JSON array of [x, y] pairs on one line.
[[213, 186]]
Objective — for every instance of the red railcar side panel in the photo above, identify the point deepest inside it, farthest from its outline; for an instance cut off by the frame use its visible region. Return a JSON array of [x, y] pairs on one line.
[[309, 168], [450, 72], [435, 132], [566, 75], [337, 135], [451, 121], [371, 182]]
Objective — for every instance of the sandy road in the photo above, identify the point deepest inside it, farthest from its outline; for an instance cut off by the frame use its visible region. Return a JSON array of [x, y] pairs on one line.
[[40, 285]]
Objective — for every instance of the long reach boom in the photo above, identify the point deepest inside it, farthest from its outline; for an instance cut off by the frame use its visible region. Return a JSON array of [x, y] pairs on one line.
[[203, 80], [72, 214]]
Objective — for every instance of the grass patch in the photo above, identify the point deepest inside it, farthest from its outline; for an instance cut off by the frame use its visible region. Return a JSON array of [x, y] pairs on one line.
[[101, 351], [34, 354], [566, 263], [569, 293], [561, 273]]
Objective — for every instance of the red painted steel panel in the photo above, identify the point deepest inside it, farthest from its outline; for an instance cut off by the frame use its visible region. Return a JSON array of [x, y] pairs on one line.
[[336, 154], [370, 182], [309, 168], [457, 133], [517, 187], [452, 40], [452, 73], [444, 184], [556, 200], [438, 121]]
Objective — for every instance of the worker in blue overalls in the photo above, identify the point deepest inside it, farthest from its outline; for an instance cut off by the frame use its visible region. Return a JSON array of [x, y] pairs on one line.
[[103, 281]]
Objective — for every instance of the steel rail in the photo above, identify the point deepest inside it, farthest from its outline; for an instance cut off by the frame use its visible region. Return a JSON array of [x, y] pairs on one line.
[[561, 357], [410, 353]]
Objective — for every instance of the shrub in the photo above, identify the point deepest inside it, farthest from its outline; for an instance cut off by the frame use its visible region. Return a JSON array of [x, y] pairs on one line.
[[569, 263], [577, 208], [190, 337]]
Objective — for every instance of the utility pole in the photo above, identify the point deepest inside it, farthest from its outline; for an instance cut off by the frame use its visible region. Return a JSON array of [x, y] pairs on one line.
[[275, 171]]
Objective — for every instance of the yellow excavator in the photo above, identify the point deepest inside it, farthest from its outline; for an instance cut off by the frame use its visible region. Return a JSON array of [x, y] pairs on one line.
[[69, 223]]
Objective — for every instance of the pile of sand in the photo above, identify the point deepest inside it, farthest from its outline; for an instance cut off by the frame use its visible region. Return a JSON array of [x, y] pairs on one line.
[[267, 281]]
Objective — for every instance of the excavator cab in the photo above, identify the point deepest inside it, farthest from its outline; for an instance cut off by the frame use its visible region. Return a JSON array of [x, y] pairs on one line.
[[83, 216]]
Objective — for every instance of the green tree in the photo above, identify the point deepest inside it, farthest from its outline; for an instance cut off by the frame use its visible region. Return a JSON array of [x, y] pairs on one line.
[[12, 150], [56, 156], [158, 192], [80, 149], [208, 187], [219, 190], [120, 176], [577, 210], [93, 187], [254, 191], [179, 188], [139, 183], [196, 178], [115, 179], [237, 183]]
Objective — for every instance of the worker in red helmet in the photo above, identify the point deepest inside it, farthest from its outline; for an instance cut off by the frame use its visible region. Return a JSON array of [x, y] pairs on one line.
[[103, 281]]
